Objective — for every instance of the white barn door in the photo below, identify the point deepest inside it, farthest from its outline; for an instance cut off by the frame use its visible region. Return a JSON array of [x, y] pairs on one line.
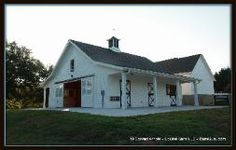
[[87, 92], [59, 95]]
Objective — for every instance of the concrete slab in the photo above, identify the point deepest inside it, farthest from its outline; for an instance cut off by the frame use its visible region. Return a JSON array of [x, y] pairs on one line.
[[130, 111]]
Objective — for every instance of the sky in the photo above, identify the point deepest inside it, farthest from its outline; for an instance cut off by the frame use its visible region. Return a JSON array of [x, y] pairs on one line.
[[157, 32]]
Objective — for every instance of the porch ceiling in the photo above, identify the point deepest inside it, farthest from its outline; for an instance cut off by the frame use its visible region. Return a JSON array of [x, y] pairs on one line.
[[147, 73]]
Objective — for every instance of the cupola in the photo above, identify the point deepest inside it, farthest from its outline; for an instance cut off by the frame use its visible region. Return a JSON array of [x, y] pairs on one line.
[[113, 44]]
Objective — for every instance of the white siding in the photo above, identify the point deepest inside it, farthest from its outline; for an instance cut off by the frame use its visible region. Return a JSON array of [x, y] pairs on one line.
[[87, 88], [163, 99], [109, 85], [113, 90], [206, 86], [83, 66], [106, 79], [139, 90], [187, 89], [201, 71]]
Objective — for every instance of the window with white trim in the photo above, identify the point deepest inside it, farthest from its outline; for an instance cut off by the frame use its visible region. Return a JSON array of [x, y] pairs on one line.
[[58, 92], [72, 65], [170, 89], [86, 87]]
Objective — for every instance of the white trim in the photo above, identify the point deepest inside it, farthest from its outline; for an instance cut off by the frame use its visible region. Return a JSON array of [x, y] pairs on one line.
[[108, 65], [75, 79], [44, 97], [117, 50], [196, 102], [61, 56], [180, 77], [123, 87], [154, 80], [83, 53], [186, 74], [183, 78], [222, 94], [55, 68], [178, 92], [207, 66], [209, 69]]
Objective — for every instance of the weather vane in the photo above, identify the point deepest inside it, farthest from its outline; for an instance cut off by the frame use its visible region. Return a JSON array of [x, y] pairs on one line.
[[113, 31]]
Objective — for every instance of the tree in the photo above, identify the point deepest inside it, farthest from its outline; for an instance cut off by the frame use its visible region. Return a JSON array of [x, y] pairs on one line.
[[223, 80], [24, 73]]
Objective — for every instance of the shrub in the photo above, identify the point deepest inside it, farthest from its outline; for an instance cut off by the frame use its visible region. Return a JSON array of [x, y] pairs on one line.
[[14, 104], [32, 104], [18, 104]]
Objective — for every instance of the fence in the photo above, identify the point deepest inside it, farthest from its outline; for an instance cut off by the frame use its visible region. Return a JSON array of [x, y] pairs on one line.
[[222, 99]]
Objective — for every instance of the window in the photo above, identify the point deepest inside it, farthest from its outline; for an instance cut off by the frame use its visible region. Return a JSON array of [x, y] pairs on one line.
[[89, 83], [110, 43], [58, 92], [72, 65], [83, 91], [115, 98], [89, 91], [170, 89], [115, 43], [86, 87]]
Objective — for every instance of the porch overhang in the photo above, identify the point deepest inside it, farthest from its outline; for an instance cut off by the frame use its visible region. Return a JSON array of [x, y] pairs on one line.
[[182, 78]]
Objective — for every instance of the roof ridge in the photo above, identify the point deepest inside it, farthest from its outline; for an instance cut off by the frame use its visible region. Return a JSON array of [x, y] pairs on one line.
[[89, 44], [125, 59], [177, 58], [112, 51], [137, 56]]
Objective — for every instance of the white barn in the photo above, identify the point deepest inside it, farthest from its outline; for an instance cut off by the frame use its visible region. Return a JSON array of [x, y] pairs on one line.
[[92, 76], [196, 67]]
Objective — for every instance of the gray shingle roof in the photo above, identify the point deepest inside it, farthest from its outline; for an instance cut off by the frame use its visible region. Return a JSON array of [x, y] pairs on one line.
[[122, 59], [105, 55], [177, 65]]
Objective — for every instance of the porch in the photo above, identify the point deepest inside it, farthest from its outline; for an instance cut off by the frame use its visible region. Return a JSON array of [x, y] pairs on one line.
[[146, 89]]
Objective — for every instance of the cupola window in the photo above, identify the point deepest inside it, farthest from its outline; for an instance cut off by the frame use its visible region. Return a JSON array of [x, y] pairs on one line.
[[113, 44]]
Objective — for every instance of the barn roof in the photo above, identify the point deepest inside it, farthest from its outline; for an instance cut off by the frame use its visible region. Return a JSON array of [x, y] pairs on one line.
[[122, 59], [177, 65], [105, 55]]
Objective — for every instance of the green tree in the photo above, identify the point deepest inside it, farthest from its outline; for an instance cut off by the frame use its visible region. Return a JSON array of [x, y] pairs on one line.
[[223, 80], [24, 73]]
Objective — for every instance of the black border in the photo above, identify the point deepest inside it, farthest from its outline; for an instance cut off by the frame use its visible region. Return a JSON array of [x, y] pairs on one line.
[[135, 2]]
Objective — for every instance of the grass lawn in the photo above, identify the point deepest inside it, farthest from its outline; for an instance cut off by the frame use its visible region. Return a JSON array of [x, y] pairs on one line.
[[51, 127]]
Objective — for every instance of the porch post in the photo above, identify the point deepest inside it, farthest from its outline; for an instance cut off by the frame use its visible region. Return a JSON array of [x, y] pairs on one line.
[[178, 92], [123, 87], [196, 102], [44, 97], [154, 80]]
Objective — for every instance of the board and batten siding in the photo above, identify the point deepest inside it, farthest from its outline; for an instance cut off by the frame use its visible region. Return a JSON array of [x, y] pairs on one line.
[[206, 86], [105, 78], [110, 82], [103, 82], [162, 98], [83, 66]]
